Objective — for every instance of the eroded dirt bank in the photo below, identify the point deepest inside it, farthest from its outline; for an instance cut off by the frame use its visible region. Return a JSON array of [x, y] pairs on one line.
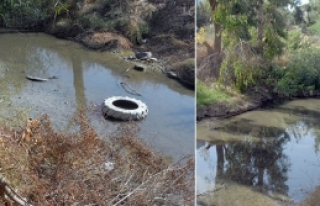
[[254, 99]]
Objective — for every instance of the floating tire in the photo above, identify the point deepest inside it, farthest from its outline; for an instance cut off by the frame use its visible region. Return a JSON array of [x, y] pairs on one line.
[[124, 108]]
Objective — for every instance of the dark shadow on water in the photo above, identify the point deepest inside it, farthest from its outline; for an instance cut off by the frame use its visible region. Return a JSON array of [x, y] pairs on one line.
[[244, 126]]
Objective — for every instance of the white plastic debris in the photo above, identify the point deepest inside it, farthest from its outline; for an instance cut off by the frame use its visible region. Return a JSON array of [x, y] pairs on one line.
[[109, 166]]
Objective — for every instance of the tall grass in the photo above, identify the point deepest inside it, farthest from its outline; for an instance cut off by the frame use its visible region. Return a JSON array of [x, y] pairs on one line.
[[209, 95]]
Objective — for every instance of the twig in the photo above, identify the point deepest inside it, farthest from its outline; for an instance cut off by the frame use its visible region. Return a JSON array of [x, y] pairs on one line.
[[142, 184], [153, 177], [11, 193], [134, 92]]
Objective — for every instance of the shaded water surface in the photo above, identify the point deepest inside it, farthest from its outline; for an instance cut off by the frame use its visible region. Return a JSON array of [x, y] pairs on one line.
[[271, 155], [86, 78]]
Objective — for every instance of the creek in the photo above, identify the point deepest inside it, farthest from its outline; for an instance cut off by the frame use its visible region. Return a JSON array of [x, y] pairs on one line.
[[86, 78], [268, 155]]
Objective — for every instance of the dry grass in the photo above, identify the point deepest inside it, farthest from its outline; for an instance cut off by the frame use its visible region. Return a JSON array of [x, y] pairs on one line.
[[186, 63], [313, 199], [209, 68], [204, 50], [49, 168], [101, 39], [171, 39]]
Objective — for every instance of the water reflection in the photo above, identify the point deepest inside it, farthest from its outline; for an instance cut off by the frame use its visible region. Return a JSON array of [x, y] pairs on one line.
[[85, 78], [276, 156]]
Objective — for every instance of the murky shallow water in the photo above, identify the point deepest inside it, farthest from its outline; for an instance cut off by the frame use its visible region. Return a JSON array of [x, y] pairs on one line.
[[275, 152], [87, 78]]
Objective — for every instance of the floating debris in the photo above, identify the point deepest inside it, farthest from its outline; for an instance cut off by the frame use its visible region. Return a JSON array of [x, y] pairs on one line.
[[34, 78]]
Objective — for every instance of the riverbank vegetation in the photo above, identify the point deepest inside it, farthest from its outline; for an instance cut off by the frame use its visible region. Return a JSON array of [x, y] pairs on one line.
[[265, 50], [163, 27], [39, 166]]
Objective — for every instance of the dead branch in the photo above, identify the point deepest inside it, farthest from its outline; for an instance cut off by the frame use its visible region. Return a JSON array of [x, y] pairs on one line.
[[8, 191], [134, 92]]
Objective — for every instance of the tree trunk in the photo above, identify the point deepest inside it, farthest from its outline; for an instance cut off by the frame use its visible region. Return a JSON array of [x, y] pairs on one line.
[[217, 29], [217, 38], [260, 26]]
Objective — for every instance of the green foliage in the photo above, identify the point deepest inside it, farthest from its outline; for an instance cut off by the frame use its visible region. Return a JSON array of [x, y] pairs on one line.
[[144, 29], [294, 40], [29, 13], [315, 28], [241, 68], [203, 13], [314, 10], [189, 64], [134, 30], [274, 32], [235, 18], [273, 44], [302, 75], [107, 15], [246, 64], [207, 95]]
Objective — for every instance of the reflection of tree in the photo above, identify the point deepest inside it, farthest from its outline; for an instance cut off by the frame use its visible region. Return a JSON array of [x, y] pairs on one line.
[[41, 60], [299, 130], [260, 164], [220, 160], [204, 153], [309, 123], [78, 81], [305, 128]]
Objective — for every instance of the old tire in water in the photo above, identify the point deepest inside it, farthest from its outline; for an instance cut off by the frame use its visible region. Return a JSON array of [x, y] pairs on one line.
[[124, 108]]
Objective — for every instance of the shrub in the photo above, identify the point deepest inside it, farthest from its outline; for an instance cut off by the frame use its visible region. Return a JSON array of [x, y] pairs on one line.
[[302, 74], [243, 67], [207, 95], [92, 22], [296, 41], [315, 28]]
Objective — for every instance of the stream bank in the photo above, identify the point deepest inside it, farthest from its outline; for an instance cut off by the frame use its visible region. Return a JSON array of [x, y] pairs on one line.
[[258, 97]]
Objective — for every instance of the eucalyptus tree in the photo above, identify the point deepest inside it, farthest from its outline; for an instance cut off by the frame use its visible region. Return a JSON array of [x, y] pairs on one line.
[[203, 13], [249, 29]]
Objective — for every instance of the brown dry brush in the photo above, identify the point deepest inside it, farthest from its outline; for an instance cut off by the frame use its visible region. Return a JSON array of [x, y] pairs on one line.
[[50, 168]]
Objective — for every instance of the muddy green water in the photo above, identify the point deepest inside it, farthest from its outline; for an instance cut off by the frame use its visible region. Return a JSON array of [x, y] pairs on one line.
[[263, 157], [86, 78]]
